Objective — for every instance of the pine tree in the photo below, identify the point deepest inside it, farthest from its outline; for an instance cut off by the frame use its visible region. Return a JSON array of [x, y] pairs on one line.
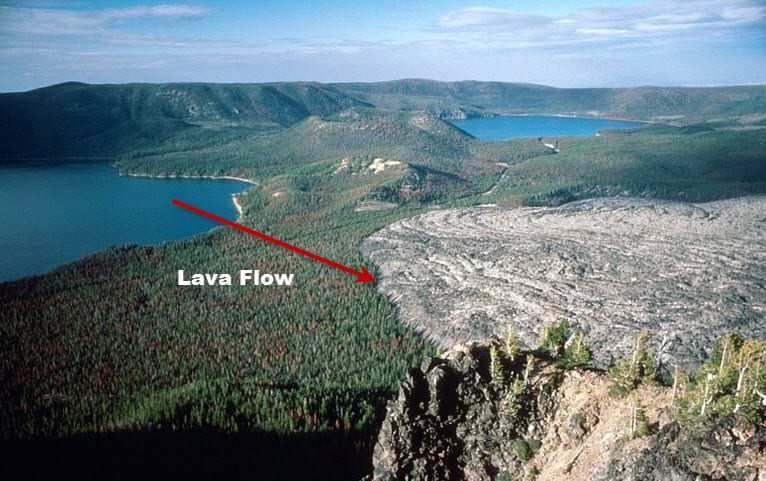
[[529, 368], [512, 348], [576, 353], [639, 423], [496, 370], [554, 337], [637, 368], [513, 398], [732, 380]]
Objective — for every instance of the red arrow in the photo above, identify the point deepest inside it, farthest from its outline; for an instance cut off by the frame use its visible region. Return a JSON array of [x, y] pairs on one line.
[[362, 276]]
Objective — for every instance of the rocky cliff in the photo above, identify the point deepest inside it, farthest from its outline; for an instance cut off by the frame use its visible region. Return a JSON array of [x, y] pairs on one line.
[[453, 420]]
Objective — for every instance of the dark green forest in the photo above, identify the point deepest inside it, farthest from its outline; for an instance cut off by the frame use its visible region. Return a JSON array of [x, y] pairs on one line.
[[81, 120], [111, 346]]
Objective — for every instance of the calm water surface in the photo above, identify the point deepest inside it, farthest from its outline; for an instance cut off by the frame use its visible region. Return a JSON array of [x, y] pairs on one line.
[[55, 214], [501, 128]]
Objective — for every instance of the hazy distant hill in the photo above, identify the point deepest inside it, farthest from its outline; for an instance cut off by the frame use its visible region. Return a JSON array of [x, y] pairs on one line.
[[80, 120], [75, 119], [472, 98]]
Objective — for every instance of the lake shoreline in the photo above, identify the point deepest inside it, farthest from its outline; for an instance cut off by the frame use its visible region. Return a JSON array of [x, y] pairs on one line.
[[100, 208], [234, 199], [237, 206], [563, 116], [184, 176], [505, 127]]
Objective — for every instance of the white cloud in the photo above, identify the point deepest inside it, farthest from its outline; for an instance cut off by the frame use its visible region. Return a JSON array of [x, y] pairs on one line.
[[671, 16], [744, 13], [664, 19], [603, 31], [174, 11], [46, 21], [488, 17]]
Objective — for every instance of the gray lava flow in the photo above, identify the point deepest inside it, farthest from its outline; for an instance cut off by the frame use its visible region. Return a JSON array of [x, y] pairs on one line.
[[615, 266]]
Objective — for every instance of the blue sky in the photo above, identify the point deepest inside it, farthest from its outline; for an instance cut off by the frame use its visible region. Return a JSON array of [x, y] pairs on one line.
[[567, 44]]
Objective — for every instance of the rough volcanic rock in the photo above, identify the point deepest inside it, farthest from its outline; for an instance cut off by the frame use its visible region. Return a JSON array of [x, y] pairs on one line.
[[686, 272], [732, 449], [451, 422]]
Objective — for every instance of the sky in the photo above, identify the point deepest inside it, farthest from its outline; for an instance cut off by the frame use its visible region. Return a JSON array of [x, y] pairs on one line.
[[575, 43]]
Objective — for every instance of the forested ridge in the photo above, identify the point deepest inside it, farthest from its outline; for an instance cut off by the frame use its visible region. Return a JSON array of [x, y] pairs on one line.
[[110, 344], [680, 105], [80, 120]]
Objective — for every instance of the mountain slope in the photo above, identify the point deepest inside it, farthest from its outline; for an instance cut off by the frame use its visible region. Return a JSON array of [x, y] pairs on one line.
[[80, 120], [744, 104], [417, 139]]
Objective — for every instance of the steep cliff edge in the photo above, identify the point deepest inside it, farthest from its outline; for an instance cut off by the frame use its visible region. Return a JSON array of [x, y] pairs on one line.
[[453, 420]]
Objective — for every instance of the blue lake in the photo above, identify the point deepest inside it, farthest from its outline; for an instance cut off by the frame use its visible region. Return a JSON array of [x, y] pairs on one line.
[[507, 127], [51, 215]]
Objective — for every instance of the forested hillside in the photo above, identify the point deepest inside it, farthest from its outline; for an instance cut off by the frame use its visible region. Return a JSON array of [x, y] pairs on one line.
[[738, 105], [80, 120], [91, 121]]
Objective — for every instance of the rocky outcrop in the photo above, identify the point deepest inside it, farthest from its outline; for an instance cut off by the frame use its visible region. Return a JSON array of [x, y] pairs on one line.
[[452, 421], [733, 449]]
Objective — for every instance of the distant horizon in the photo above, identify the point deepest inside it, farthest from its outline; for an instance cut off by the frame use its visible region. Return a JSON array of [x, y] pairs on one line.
[[761, 84], [572, 44]]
